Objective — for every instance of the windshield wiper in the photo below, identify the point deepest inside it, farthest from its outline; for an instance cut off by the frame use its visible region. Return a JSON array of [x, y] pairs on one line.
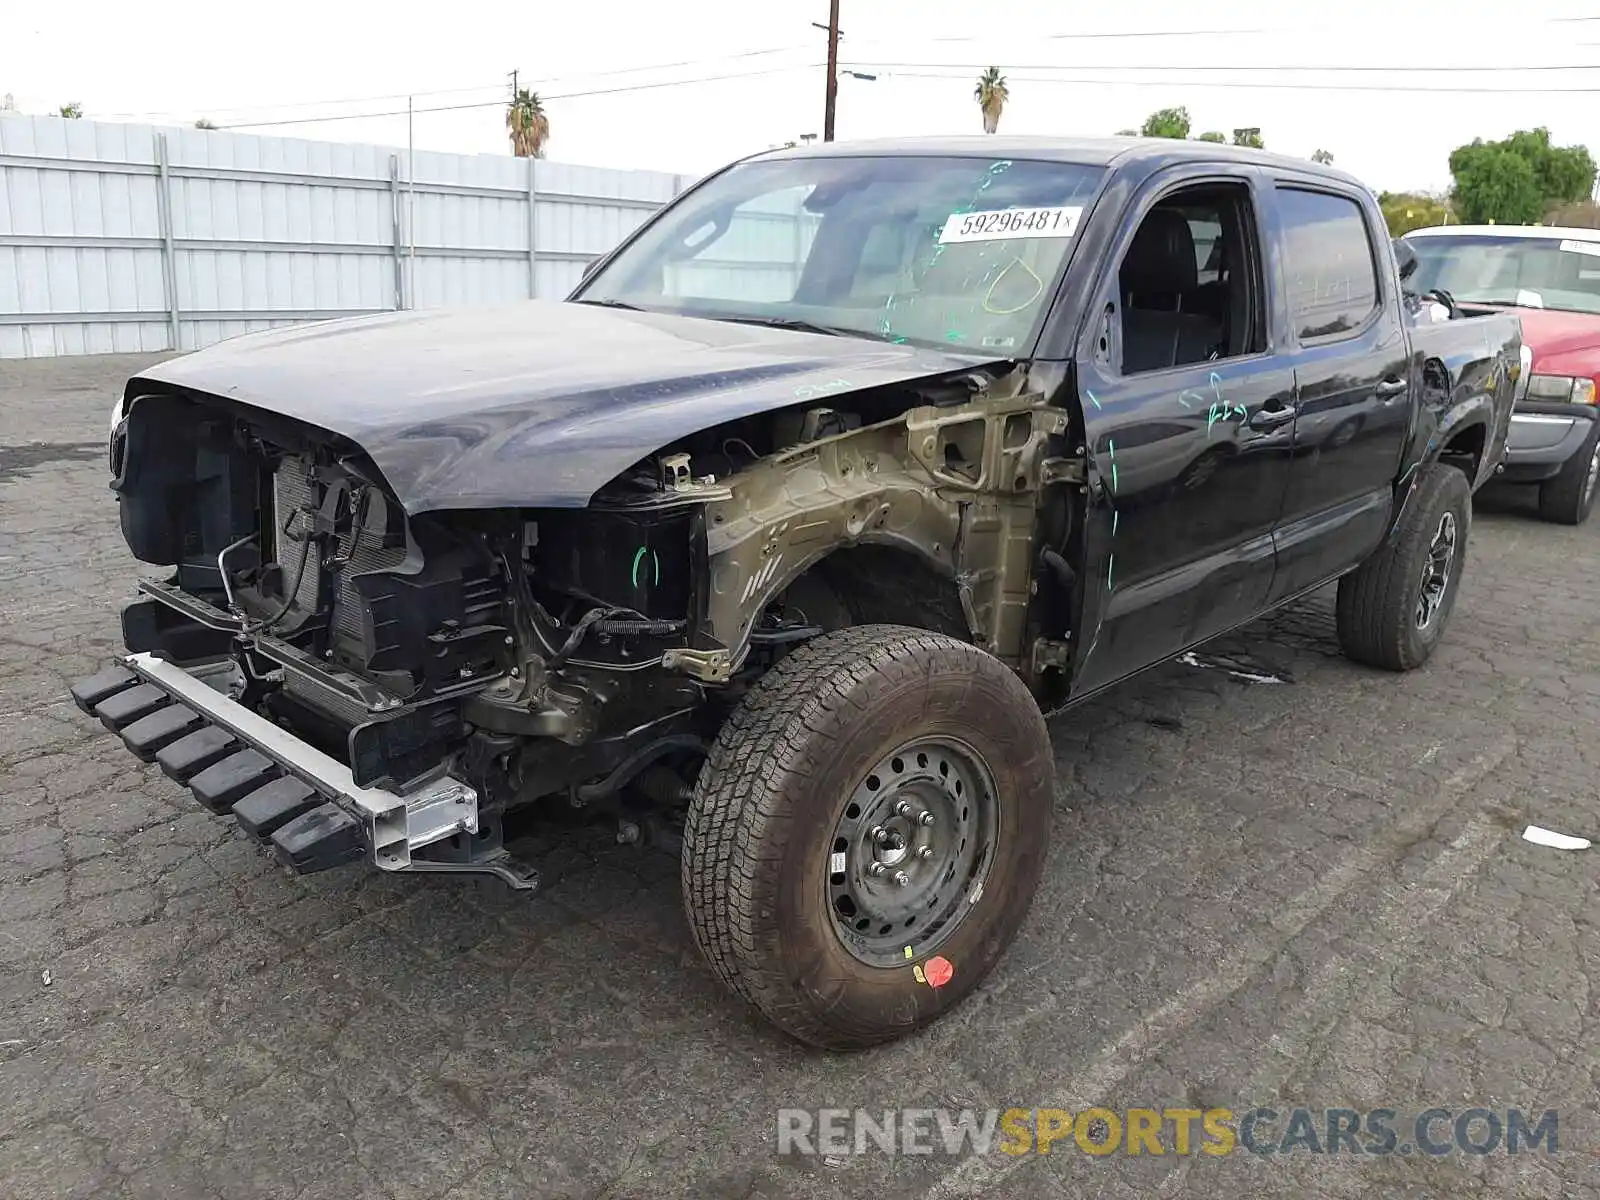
[[612, 304], [801, 326]]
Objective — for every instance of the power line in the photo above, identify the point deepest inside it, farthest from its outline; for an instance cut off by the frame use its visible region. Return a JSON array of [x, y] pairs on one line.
[[1362, 68], [245, 108], [636, 87], [487, 87], [1307, 87]]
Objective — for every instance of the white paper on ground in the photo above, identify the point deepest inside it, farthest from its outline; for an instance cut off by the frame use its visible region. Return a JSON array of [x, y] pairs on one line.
[[1556, 841]]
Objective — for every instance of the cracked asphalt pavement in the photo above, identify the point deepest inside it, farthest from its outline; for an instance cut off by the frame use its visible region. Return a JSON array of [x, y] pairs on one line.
[[1304, 893]]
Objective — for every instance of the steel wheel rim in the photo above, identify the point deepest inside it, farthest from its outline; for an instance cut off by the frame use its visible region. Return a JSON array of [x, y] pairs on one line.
[[910, 852], [1594, 473], [1436, 572]]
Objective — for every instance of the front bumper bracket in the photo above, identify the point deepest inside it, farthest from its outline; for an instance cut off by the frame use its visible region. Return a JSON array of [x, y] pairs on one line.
[[146, 699]]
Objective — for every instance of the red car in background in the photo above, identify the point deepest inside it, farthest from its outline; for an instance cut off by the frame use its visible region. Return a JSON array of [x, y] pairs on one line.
[[1551, 276]]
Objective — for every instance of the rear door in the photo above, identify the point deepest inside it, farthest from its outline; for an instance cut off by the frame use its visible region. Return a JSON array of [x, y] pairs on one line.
[[1352, 373], [1189, 414]]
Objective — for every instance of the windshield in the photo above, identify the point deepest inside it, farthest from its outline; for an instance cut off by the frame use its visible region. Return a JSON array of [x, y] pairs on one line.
[[1534, 272], [956, 252]]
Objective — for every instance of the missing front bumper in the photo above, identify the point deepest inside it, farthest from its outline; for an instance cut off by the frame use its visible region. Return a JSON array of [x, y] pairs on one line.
[[306, 804]]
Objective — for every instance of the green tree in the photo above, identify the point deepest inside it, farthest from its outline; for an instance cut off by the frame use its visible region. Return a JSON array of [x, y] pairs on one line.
[[991, 95], [1249, 136], [1167, 123], [1323, 157], [527, 123], [1517, 179], [1212, 135], [1405, 211], [1494, 185], [72, 111], [1566, 173]]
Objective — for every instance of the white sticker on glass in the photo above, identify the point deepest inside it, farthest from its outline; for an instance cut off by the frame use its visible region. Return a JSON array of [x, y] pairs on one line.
[[1003, 224], [1590, 248]]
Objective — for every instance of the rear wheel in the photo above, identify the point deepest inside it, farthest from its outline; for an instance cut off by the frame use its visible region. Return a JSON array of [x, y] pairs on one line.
[[1393, 608], [867, 834], [1568, 499]]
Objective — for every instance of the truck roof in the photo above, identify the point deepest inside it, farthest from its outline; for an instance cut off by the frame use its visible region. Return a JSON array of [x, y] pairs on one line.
[[1096, 152]]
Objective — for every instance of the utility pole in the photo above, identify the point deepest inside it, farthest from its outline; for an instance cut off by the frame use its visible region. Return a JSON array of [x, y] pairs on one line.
[[833, 70]]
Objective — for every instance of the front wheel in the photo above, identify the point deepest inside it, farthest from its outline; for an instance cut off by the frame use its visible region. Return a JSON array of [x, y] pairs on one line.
[[1568, 499], [867, 834], [1393, 608]]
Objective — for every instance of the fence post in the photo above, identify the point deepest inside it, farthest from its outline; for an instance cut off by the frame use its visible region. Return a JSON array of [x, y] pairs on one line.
[[394, 214], [169, 266], [533, 232]]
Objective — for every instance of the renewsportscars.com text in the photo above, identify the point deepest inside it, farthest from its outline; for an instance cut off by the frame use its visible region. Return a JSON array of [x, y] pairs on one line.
[[838, 1132]]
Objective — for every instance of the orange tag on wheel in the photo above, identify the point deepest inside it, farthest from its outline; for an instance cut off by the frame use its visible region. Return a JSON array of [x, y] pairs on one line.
[[938, 971]]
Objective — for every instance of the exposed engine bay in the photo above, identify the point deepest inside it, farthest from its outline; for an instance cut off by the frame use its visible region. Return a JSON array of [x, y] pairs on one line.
[[584, 654]]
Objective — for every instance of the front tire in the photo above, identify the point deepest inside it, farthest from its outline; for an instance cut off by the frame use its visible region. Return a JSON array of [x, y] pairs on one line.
[[1568, 499], [1393, 608], [804, 873]]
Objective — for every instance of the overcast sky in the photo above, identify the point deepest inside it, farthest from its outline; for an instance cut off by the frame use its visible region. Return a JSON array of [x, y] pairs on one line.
[[174, 61]]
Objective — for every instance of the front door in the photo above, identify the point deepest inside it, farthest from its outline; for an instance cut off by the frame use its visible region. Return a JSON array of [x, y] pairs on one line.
[[1190, 420]]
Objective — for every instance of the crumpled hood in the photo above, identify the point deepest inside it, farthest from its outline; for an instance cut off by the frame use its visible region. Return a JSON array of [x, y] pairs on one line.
[[532, 404]]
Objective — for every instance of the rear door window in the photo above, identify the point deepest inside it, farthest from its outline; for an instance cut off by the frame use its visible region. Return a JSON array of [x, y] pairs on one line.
[[1329, 264]]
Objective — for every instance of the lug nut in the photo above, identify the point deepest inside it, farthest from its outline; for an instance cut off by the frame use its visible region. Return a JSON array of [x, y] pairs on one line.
[[877, 868], [925, 817], [926, 852], [901, 879], [903, 809], [877, 833]]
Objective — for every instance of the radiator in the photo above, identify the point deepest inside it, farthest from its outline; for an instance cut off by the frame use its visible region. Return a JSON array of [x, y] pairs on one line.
[[295, 488]]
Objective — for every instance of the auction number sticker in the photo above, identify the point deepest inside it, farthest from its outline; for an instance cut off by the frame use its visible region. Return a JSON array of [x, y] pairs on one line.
[[1002, 224], [1590, 248]]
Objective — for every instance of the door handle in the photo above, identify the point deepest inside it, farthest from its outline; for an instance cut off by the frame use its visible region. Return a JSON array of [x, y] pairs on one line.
[[1389, 387], [1271, 416]]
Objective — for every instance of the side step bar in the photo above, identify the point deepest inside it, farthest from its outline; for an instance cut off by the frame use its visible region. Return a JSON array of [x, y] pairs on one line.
[[306, 803]]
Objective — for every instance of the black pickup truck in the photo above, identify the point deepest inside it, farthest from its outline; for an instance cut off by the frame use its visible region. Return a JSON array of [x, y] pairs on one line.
[[779, 536]]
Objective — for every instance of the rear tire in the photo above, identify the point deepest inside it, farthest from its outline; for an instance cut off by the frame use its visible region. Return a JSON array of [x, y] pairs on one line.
[[793, 821], [1568, 499], [1393, 608]]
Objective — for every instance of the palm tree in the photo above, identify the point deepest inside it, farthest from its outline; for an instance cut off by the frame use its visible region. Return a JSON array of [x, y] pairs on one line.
[[527, 124], [991, 95]]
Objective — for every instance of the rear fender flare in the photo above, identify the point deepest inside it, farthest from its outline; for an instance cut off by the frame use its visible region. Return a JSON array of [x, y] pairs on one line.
[[1477, 410]]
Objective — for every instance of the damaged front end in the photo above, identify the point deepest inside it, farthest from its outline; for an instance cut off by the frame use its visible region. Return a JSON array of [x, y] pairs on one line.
[[352, 681]]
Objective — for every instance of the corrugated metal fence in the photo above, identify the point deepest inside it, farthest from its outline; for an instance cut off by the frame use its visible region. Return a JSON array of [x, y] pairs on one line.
[[119, 238]]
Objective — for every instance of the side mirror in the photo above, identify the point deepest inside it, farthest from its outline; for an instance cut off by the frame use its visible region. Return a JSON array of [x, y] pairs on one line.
[[588, 267], [1405, 259]]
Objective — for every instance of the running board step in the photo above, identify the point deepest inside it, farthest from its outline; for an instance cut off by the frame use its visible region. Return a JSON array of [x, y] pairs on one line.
[[317, 840], [232, 779], [87, 693], [116, 712], [267, 809], [146, 736], [188, 756]]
